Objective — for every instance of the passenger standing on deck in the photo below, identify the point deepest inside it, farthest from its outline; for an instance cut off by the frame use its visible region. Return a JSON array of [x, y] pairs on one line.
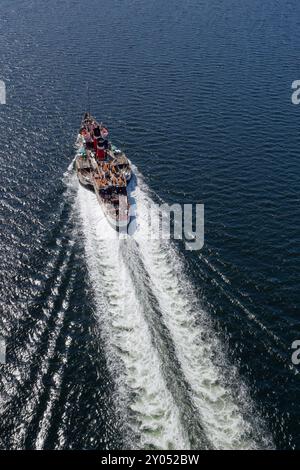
[[104, 131]]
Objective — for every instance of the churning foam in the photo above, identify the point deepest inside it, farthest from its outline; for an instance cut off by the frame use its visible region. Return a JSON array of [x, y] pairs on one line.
[[132, 354], [148, 405]]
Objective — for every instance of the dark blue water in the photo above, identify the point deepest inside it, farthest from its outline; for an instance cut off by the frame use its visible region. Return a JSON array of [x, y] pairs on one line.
[[199, 353]]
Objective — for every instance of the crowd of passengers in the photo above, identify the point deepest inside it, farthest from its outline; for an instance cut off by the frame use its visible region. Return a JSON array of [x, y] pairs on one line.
[[109, 175]]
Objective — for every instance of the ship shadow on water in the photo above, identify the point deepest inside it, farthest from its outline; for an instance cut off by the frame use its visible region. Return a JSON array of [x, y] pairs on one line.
[[131, 187]]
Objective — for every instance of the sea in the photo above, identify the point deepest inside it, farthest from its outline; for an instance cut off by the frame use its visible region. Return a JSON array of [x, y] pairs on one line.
[[136, 342]]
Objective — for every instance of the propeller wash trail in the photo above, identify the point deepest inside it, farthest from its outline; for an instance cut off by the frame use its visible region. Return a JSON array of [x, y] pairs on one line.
[[151, 320]]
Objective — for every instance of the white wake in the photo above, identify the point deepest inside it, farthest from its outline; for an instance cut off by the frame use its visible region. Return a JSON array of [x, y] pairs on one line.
[[152, 413], [150, 409]]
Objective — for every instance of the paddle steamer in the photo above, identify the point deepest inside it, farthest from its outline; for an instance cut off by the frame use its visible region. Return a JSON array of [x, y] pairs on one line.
[[105, 169]]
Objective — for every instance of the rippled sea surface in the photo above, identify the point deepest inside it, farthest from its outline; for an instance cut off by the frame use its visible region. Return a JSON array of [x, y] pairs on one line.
[[129, 343]]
